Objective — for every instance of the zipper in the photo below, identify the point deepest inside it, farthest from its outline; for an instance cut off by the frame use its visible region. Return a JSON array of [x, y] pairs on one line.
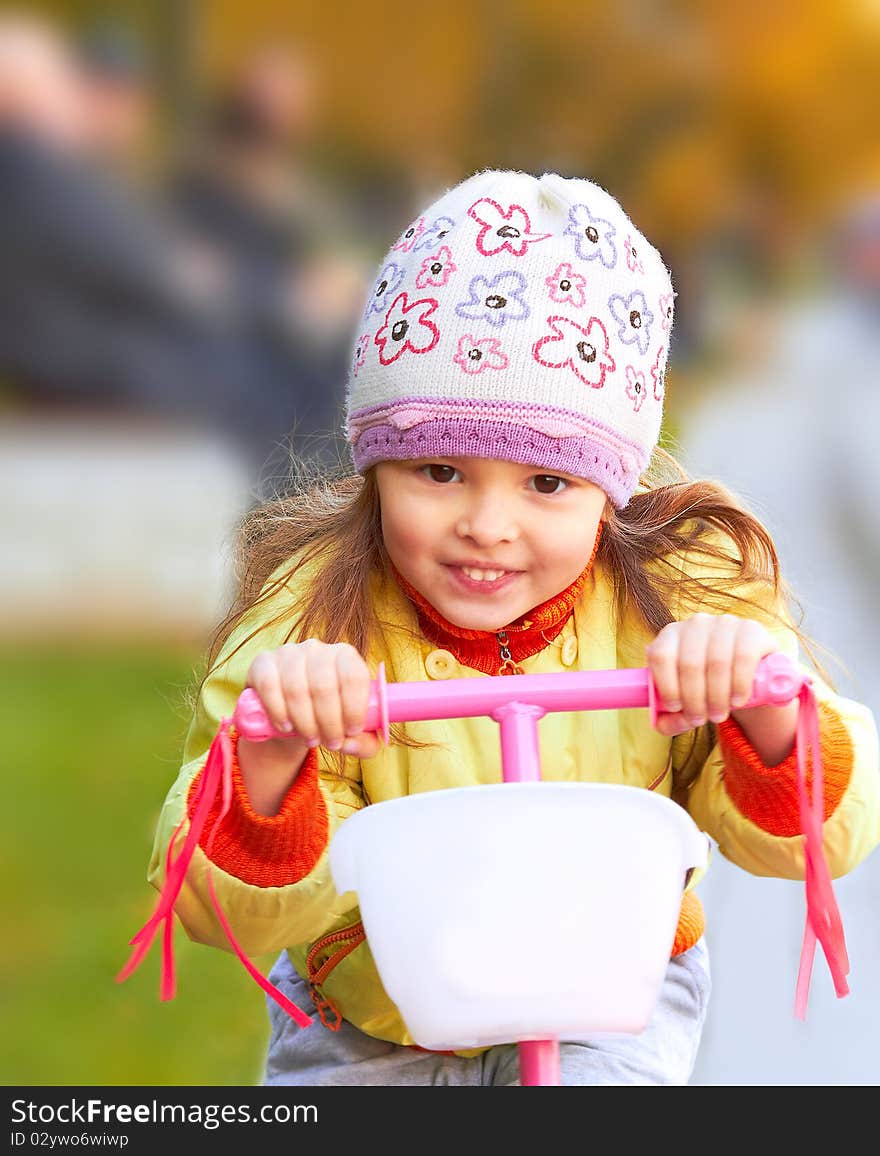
[[508, 666], [341, 944]]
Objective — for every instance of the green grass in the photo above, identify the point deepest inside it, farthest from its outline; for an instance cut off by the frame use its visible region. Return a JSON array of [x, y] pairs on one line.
[[92, 741]]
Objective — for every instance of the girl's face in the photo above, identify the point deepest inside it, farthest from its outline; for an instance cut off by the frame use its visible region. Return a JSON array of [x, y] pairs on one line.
[[484, 540]]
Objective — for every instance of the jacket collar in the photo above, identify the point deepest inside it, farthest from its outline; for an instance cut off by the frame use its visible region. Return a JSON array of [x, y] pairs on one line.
[[482, 649]]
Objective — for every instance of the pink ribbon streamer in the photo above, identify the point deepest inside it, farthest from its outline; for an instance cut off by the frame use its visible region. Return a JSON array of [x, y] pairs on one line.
[[216, 775], [823, 922]]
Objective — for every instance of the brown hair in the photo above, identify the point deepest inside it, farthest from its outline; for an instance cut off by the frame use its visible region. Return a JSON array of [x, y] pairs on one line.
[[335, 523]]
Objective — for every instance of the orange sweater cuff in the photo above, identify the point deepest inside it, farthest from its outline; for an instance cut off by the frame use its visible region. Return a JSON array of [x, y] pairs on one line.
[[691, 923], [268, 851], [767, 796]]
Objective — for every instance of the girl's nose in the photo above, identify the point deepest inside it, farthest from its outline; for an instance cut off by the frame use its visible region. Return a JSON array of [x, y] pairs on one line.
[[486, 523]]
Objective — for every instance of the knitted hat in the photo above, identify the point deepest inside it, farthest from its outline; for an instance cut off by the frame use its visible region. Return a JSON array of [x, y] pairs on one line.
[[520, 318]]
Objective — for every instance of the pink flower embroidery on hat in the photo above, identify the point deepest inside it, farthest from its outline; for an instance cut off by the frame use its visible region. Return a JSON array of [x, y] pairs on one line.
[[666, 311], [658, 370], [407, 328], [436, 270], [583, 351], [412, 234], [476, 354], [566, 286], [511, 230], [360, 352], [633, 260], [635, 387]]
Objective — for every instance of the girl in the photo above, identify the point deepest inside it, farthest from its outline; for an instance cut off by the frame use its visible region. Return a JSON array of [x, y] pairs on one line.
[[511, 513]]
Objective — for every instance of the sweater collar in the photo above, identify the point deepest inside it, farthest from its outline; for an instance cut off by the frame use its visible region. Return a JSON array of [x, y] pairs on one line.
[[483, 649]]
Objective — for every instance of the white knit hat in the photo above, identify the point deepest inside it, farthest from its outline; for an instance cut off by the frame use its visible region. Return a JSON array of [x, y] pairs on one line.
[[520, 318]]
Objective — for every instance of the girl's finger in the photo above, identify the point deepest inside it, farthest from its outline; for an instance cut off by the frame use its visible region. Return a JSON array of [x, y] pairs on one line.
[[753, 642], [362, 746], [719, 666], [263, 677], [692, 667], [354, 687], [662, 656], [295, 687], [673, 724], [326, 699]]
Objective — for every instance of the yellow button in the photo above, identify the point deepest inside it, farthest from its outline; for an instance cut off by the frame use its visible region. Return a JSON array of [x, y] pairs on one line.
[[441, 664], [569, 650]]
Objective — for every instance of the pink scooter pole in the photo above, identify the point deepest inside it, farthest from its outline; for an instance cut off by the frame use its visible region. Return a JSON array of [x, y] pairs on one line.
[[520, 763], [518, 704]]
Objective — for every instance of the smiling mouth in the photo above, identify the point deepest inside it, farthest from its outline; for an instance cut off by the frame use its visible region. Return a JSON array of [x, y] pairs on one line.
[[483, 575], [476, 578]]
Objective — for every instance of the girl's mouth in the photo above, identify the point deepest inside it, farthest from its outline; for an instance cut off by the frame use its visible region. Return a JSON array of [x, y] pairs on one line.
[[482, 581]]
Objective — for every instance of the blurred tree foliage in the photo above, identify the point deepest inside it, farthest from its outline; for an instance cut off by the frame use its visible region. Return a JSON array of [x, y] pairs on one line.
[[682, 109]]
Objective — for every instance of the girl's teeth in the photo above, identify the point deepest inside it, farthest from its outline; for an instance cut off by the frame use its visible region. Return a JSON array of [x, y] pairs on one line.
[[483, 575]]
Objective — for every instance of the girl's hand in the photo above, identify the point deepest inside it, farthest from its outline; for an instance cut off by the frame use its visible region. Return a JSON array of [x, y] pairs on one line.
[[703, 668], [317, 690]]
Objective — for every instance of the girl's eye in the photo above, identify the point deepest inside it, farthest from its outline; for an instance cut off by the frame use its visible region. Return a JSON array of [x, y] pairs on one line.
[[549, 483], [437, 472]]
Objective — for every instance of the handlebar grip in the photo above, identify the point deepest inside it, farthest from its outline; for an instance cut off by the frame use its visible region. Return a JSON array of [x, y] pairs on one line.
[[252, 722], [777, 681]]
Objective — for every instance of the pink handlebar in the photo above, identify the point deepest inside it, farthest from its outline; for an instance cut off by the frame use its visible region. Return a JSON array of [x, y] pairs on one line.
[[777, 681]]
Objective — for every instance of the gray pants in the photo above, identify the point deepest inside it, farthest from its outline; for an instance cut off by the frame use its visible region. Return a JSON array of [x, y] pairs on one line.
[[664, 1053]]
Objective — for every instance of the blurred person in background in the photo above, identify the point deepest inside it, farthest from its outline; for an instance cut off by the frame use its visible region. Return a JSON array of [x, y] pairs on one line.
[[247, 193], [117, 93], [39, 93], [113, 305], [100, 306], [795, 434]]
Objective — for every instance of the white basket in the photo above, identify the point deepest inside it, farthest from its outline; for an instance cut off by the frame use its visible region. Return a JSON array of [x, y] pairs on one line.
[[519, 911]]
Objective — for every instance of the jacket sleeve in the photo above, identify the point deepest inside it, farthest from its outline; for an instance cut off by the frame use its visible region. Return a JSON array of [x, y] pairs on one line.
[[271, 874], [750, 809]]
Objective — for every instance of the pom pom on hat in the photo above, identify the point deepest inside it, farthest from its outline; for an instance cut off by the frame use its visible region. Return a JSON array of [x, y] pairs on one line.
[[520, 318]]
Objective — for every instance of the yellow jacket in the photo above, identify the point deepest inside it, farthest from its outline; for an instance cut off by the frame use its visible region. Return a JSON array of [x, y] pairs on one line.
[[720, 781]]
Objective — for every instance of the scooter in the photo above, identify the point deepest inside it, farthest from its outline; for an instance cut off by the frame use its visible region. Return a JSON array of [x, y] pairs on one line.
[[504, 866]]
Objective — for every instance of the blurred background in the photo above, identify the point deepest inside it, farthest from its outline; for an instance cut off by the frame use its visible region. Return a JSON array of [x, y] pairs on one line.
[[194, 196]]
